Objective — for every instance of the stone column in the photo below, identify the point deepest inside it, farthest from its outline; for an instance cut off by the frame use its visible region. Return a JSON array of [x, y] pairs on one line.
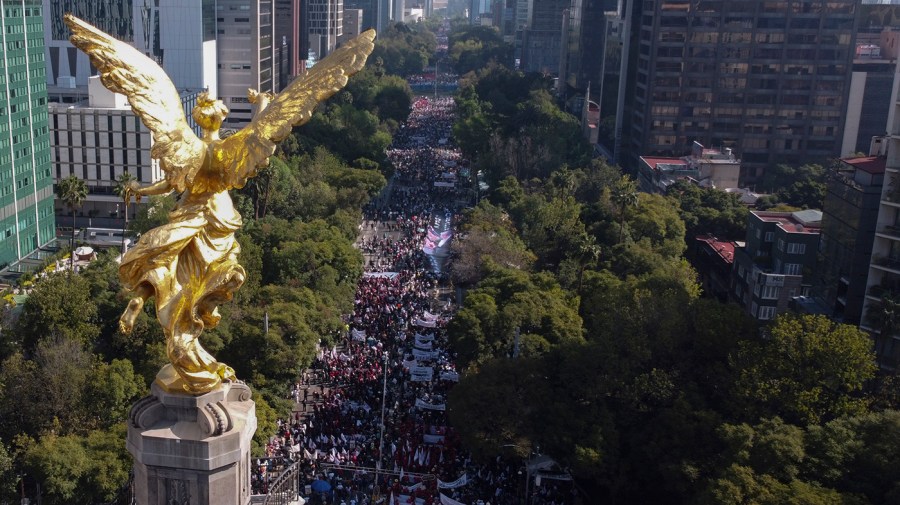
[[192, 450]]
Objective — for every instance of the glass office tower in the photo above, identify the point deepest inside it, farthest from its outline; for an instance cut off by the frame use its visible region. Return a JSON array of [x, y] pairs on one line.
[[26, 182]]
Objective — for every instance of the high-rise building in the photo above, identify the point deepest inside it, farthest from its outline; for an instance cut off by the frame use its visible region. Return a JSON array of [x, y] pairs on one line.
[[849, 215], [383, 10], [179, 34], [369, 10], [97, 140], [26, 181], [883, 283], [289, 57], [353, 19], [768, 79], [542, 39], [584, 41], [246, 59], [325, 22]]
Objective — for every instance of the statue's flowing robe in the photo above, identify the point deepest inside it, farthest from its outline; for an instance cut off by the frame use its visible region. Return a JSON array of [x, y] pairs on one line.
[[191, 264]]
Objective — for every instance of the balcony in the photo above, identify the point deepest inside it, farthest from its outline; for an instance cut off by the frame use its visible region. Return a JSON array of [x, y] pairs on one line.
[[887, 262], [880, 291], [891, 230]]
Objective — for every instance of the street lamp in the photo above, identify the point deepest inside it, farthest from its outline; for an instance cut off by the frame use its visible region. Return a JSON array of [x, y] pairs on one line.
[[383, 403], [435, 77]]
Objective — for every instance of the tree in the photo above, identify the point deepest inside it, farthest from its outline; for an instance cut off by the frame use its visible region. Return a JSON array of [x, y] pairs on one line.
[[624, 194], [123, 189], [474, 47], [8, 478], [588, 255], [807, 369], [154, 214], [59, 306], [487, 233], [496, 407], [508, 301], [709, 211], [79, 470], [859, 455], [802, 186], [73, 192]]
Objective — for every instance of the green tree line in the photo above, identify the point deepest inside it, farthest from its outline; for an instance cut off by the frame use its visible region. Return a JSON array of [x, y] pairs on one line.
[[68, 377], [584, 333]]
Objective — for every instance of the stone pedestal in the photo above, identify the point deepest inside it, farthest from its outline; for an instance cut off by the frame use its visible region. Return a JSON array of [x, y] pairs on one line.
[[192, 450]]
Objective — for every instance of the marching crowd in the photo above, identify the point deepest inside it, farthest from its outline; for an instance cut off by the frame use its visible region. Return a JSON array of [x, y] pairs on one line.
[[379, 428]]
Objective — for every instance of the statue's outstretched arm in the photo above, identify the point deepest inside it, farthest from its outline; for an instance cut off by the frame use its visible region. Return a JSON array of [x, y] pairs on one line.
[[159, 188]]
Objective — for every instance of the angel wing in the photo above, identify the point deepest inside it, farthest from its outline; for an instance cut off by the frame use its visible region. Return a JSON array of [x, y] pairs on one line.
[[153, 97], [249, 149]]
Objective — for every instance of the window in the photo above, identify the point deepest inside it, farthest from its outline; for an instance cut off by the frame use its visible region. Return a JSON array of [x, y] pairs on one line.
[[780, 245], [793, 269], [766, 313], [795, 248], [770, 236], [758, 233], [770, 292]]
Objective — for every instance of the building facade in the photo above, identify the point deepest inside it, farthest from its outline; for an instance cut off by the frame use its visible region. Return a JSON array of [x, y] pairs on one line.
[[542, 39], [369, 10], [768, 79], [325, 23], [26, 179], [775, 262], [849, 216], [714, 168], [883, 283], [97, 140], [245, 31], [292, 60], [353, 24], [180, 35]]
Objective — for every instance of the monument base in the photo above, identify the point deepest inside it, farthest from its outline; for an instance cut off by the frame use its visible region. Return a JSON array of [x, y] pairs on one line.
[[192, 450]]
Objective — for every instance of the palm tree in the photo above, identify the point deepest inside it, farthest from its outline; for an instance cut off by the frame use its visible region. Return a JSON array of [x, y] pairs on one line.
[[123, 189], [73, 191], [624, 194], [588, 254]]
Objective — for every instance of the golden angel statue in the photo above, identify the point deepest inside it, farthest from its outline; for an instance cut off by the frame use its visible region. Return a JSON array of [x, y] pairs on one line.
[[190, 264]]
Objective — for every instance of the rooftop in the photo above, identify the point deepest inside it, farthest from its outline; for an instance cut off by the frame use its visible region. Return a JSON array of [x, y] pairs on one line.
[[725, 250], [655, 162], [803, 221], [868, 164]]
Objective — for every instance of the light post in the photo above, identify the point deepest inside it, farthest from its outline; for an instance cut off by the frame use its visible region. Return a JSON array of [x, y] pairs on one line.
[[435, 77], [383, 404]]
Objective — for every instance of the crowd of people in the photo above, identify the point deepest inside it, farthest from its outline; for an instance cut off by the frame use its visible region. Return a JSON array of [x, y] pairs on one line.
[[377, 429]]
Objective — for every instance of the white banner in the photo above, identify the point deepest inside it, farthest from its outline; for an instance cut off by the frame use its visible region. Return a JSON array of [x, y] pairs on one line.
[[420, 354], [428, 316], [424, 323], [433, 439], [358, 335], [426, 346], [422, 404], [424, 338], [421, 373], [452, 485], [439, 184], [446, 500], [450, 376]]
